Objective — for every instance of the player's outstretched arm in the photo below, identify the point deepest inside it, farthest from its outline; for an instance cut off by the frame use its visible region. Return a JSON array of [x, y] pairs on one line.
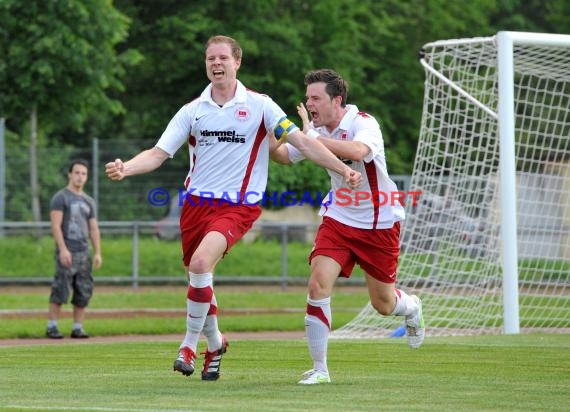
[[146, 161], [278, 152], [352, 150], [318, 153]]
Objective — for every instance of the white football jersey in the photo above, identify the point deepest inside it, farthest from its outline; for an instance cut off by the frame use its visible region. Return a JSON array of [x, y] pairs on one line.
[[351, 207], [229, 150]]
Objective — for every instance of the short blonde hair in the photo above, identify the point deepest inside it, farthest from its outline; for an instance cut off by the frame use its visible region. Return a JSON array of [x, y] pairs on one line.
[[234, 45]]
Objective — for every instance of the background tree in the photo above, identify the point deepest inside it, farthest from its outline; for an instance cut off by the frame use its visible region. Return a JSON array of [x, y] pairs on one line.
[[549, 16], [73, 60], [58, 62]]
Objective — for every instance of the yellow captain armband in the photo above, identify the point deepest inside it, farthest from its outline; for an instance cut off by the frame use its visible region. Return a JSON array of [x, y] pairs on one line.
[[284, 128]]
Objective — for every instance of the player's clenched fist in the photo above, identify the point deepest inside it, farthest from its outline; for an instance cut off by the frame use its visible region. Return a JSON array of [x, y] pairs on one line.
[[355, 179], [352, 177], [115, 170]]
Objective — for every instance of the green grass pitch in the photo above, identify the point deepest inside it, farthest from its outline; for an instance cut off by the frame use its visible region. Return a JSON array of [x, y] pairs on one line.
[[485, 373]]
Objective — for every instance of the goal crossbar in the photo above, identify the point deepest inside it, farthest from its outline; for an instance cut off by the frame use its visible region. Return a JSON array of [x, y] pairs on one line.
[[487, 248], [458, 89]]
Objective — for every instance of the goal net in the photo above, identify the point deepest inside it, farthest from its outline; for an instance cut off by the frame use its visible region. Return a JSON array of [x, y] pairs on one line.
[[487, 247]]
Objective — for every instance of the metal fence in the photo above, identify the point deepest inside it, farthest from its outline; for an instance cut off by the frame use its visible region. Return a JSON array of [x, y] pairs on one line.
[[127, 200], [116, 201], [284, 232], [123, 207]]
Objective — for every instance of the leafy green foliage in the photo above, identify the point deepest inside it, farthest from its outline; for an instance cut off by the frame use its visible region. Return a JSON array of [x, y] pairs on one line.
[[53, 175], [59, 57], [120, 70]]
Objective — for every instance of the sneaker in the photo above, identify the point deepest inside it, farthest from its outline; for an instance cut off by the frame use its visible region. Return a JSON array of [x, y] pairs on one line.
[[308, 373], [53, 333], [184, 363], [79, 334], [415, 327], [212, 361], [314, 377]]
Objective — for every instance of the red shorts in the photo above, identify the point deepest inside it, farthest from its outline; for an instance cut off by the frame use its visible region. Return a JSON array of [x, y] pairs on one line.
[[212, 215], [375, 250]]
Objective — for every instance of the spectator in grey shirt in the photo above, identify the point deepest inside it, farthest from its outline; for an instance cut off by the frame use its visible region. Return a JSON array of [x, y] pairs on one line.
[[73, 224]]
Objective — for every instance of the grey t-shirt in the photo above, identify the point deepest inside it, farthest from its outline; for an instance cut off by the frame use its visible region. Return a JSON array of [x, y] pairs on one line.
[[77, 210]]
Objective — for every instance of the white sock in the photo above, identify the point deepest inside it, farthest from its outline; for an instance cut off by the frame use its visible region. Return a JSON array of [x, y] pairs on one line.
[[76, 326], [200, 292], [405, 305], [52, 323], [210, 330], [318, 321]]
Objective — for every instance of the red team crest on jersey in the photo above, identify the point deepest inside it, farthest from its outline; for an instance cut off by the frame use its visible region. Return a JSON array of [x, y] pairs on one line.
[[343, 136], [242, 114]]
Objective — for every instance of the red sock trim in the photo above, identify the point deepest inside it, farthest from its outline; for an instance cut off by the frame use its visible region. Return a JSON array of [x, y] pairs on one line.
[[318, 313], [201, 295], [213, 310]]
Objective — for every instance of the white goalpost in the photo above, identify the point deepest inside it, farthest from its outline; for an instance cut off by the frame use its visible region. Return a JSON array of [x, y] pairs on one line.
[[487, 247]]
